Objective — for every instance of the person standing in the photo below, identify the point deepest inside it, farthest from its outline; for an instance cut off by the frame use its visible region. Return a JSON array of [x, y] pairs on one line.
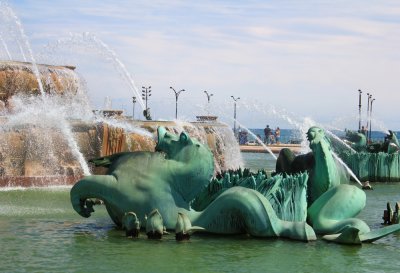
[[267, 134], [278, 135]]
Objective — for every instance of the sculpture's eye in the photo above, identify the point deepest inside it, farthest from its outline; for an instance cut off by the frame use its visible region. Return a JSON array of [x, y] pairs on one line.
[[198, 145]]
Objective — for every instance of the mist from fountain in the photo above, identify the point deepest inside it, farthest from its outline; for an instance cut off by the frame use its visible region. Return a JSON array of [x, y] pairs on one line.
[[7, 12], [5, 47], [46, 112], [227, 152], [87, 41], [29, 112], [303, 127], [258, 139], [339, 140], [349, 171]]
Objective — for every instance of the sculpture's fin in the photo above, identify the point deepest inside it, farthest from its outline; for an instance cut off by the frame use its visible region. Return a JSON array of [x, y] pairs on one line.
[[379, 233], [183, 225], [349, 236], [155, 222]]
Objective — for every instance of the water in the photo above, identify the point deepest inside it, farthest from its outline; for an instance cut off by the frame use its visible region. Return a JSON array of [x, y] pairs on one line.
[[5, 47], [43, 121], [7, 15], [89, 42], [349, 171], [44, 107], [295, 135], [40, 232]]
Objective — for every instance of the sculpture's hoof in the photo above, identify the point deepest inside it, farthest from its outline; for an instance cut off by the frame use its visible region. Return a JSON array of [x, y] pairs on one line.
[[154, 235], [182, 236], [132, 233]]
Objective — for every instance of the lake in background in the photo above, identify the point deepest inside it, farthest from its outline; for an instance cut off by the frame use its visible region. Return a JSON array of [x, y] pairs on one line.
[[40, 232], [295, 136]]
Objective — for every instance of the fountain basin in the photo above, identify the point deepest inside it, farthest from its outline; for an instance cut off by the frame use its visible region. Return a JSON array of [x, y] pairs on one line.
[[19, 78], [34, 156]]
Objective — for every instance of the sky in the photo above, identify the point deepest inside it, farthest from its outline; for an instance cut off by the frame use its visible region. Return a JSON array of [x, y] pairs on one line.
[[288, 61]]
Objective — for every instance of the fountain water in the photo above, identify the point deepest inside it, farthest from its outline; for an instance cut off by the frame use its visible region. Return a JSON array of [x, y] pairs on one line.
[[349, 171], [7, 12], [258, 140], [219, 138], [88, 40], [5, 47], [303, 127], [57, 140]]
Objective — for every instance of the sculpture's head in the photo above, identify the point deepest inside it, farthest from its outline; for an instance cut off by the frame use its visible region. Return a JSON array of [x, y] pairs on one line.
[[357, 138], [316, 136], [181, 148], [196, 159]]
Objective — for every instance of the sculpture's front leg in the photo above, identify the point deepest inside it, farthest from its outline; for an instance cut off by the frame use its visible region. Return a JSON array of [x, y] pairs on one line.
[[94, 186]]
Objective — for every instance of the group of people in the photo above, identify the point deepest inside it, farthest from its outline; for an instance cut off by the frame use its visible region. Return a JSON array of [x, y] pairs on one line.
[[272, 137]]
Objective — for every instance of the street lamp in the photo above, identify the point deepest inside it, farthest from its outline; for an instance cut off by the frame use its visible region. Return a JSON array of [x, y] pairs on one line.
[[234, 114], [369, 98], [208, 96], [359, 110], [208, 99], [370, 123], [176, 100], [146, 93], [133, 110]]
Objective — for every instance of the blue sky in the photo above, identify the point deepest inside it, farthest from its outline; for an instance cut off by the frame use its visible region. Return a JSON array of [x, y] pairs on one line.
[[284, 59]]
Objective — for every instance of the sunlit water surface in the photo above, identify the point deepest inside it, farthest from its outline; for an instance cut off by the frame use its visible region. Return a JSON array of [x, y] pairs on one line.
[[40, 232]]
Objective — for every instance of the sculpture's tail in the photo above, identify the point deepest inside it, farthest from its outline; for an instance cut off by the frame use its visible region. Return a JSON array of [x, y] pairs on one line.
[[94, 186], [352, 235], [238, 210]]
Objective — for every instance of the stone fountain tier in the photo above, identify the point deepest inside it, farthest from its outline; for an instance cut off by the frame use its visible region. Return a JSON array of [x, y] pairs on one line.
[[35, 156], [18, 77]]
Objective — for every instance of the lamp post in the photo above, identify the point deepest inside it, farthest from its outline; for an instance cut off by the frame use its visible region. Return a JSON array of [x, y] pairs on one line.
[[369, 98], [359, 110], [176, 100], [208, 96], [370, 122], [234, 114], [133, 108], [208, 99], [146, 93]]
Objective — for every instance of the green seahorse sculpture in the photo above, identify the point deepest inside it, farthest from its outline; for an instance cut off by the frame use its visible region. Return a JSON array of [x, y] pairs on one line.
[[332, 205], [168, 180]]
